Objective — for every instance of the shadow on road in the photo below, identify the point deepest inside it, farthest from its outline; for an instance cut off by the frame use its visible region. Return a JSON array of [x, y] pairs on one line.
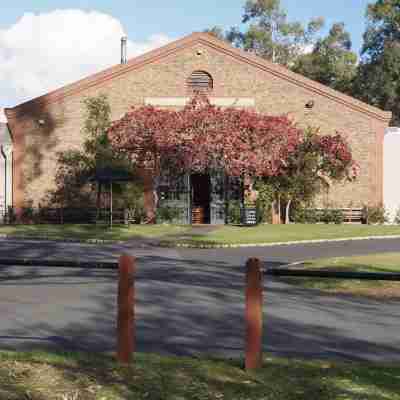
[[188, 308]]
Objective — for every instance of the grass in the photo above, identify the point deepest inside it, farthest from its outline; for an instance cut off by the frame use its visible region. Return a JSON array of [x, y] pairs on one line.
[[118, 232], [285, 233], [78, 376], [217, 235], [384, 262]]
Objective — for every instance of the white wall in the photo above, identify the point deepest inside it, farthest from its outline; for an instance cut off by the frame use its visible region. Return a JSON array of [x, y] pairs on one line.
[[391, 171]]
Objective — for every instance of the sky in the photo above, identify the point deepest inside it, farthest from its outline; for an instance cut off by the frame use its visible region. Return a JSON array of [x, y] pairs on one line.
[[45, 44]]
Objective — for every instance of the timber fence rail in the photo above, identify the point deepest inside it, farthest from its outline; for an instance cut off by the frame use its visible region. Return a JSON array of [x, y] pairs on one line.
[[315, 273], [27, 262]]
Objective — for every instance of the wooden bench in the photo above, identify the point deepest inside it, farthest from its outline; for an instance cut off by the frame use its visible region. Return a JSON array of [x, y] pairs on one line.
[[353, 215], [350, 215]]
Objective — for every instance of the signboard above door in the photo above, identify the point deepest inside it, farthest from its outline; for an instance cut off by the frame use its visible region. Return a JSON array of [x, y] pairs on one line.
[[242, 102]]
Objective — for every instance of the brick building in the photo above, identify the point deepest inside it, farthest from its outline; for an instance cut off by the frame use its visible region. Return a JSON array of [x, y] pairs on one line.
[[52, 123]]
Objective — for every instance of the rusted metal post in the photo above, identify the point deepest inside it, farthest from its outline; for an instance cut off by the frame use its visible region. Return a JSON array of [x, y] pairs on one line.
[[254, 296], [126, 313]]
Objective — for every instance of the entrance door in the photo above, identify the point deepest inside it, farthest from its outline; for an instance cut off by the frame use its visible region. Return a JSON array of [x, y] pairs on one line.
[[201, 195]]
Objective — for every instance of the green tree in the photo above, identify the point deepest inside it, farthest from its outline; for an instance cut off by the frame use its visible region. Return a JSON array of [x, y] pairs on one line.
[[75, 167], [216, 31], [270, 34], [331, 62], [317, 162], [378, 77]]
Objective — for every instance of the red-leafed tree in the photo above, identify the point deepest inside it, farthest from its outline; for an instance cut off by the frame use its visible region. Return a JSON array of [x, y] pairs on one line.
[[202, 137]]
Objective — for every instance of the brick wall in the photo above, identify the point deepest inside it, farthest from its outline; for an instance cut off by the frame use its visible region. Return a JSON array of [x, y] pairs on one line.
[[37, 145]]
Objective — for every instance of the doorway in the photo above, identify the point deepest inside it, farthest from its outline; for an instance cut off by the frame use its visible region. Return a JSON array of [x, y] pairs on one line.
[[201, 195]]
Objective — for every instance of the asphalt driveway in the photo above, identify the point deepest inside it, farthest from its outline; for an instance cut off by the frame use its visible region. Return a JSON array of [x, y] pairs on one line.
[[189, 302]]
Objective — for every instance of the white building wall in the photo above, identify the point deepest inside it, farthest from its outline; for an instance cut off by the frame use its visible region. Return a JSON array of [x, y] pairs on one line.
[[391, 171], [6, 175]]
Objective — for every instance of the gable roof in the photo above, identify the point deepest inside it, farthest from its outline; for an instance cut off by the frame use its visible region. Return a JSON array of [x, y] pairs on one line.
[[188, 41]]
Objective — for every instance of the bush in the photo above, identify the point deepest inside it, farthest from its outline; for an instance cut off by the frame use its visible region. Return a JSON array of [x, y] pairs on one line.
[[331, 215], [264, 202], [326, 216], [337, 217], [11, 217], [375, 214], [312, 216], [397, 217], [234, 212], [167, 214], [301, 215]]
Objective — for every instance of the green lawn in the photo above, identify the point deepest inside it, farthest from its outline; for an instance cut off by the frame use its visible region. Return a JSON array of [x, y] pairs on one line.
[[285, 233], [73, 376], [384, 262], [118, 232], [217, 235]]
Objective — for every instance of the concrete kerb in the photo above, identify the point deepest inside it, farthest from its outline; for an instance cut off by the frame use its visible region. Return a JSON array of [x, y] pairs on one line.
[[199, 245]]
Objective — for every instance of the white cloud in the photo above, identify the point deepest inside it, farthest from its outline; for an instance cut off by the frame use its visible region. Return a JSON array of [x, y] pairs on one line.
[[42, 52]]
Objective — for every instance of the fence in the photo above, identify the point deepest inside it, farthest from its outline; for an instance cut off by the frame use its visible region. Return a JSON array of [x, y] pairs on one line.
[[68, 215], [126, 336]]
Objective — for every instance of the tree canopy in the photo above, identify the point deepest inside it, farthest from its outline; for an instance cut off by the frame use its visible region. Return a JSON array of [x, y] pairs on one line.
[[378, 75], [331, 62], [201, 137], [268, 32]]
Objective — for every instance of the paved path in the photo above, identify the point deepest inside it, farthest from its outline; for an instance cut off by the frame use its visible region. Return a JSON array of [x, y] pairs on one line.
[[189, 302]]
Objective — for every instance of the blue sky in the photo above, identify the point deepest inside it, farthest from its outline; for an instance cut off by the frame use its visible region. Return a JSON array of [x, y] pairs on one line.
[[45, 44], [179, 17]]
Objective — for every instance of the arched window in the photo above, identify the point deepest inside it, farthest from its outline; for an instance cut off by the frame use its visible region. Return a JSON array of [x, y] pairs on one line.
[[200, 82]]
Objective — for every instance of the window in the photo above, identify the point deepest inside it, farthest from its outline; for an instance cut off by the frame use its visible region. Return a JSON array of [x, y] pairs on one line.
[[200, 82]]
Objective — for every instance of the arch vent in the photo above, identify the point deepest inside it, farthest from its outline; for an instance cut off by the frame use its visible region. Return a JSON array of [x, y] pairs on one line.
[[200, 82]]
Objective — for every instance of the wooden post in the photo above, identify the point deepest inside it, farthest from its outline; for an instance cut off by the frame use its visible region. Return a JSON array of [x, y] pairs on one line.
[[254, 296], [126, 313], [111, 204]]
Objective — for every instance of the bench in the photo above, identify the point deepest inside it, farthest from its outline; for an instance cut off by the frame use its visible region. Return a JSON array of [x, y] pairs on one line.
[[353, 215], [350, 215]]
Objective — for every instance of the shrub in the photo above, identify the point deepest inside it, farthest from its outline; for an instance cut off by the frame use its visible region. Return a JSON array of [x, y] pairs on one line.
[[298, 215], [234, 212], [301, 215], [332, 215], [337, 216], [326, 216], [168, 214], [397, 217], [11, 217], [375, 214], [312, 216]]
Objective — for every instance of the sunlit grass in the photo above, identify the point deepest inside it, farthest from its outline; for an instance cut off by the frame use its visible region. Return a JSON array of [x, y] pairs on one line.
[[48, 376], [286, 233], [383, 262]]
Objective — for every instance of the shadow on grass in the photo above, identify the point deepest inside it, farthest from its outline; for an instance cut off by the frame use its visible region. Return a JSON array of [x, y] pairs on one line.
[[388, 290], [157, 378]]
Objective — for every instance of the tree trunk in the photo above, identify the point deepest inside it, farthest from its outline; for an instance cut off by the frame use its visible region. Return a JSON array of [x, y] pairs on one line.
[[276, 211], [287, 214]]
